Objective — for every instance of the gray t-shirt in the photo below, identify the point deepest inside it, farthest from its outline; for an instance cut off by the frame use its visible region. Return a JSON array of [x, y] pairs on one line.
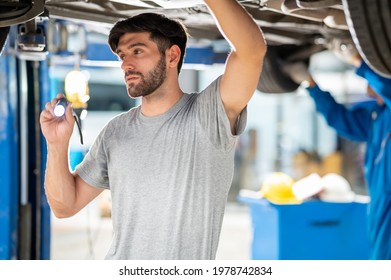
[[169, 177]]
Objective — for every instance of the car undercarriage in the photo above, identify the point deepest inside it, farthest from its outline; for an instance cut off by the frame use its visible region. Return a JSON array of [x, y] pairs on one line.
[[294, 29]]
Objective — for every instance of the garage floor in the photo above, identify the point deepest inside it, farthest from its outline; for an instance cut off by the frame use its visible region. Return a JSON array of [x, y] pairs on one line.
[[87, 235]]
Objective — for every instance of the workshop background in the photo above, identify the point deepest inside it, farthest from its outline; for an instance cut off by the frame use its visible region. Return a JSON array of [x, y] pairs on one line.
[[284, 135]]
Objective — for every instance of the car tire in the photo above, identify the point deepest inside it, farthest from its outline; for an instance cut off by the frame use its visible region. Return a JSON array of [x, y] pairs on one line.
[[272, 78], [3, 37], [369, 23]]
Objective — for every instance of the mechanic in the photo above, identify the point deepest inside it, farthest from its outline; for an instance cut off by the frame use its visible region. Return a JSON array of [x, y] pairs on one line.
[[169, 162], [369, 122]]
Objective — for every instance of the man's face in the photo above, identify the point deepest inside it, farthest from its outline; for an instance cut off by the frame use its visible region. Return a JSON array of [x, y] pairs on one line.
[[143, 65], [147, 82]]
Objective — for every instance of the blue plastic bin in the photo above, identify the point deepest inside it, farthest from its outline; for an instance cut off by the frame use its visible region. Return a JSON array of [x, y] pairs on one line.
[[313, 230], [75, 157]]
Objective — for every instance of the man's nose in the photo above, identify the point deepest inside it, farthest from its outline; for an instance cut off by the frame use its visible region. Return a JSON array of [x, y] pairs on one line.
[[127, 64]]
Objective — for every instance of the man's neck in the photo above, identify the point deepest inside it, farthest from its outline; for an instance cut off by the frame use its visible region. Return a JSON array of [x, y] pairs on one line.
[[160, 101]]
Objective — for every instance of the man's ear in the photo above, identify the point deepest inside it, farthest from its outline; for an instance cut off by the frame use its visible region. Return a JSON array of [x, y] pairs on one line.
[[174, 55]]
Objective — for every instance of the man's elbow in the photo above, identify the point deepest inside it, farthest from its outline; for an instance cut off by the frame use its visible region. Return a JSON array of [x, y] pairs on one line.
[[253, 43], [261, 48], [62, 212], [61, 215], [258, 42], [257, 51]]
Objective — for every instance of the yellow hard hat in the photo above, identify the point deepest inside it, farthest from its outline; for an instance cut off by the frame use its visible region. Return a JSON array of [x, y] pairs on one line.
[[277, 188]]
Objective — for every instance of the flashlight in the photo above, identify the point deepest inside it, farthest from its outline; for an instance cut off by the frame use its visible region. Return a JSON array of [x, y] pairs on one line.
[[59, 111], [61, 105]]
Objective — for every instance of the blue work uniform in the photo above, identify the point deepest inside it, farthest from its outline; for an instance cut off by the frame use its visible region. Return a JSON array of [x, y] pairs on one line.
[[370, 123]]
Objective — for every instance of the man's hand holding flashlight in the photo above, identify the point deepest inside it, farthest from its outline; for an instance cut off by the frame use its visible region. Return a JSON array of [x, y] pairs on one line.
[[57, 121]]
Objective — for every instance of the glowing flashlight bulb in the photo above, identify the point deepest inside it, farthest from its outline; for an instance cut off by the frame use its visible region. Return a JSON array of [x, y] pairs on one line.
[[59, 109]]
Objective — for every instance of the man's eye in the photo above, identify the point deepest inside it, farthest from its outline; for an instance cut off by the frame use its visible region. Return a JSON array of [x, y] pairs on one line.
[[121, 57], [137, 51]]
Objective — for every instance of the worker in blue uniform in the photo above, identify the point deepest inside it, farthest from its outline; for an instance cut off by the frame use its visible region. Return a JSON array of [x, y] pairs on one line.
[[369, 122]]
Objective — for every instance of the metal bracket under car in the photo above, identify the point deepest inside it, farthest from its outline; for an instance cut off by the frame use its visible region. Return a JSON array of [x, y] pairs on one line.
[[16, 12]]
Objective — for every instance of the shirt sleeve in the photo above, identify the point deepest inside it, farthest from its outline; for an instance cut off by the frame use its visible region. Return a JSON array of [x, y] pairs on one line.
[[379, 84], [352, 123], [214, 119], [93, 169]]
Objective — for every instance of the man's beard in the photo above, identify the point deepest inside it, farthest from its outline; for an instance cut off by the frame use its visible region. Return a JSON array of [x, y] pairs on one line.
[[148, 83]]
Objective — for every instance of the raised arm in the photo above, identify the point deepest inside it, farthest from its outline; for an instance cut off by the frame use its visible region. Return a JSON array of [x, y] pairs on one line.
[[352, 123], [67, 193], [381, 85], [244, 64]]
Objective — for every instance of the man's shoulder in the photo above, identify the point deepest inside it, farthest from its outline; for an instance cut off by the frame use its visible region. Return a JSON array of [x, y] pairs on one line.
[[124, 115], [213, 86], [119, 119]]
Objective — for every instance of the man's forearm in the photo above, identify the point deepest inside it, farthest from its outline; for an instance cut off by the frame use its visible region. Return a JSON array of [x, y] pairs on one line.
[[237, 26], [59, 182]]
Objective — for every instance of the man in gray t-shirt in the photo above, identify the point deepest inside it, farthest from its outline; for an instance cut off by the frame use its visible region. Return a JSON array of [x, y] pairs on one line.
[[185, 155], [169, 162]]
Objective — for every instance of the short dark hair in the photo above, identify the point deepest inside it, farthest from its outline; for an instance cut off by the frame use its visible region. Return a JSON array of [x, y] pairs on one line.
[[165, 31]]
